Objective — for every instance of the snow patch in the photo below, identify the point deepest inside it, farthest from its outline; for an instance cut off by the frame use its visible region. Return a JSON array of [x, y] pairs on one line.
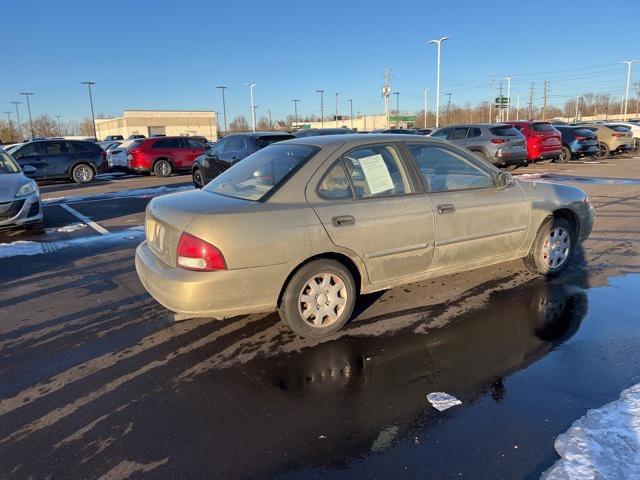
[[442, 401], [30, 248], [605, 443], [68, 228], [137, 192]]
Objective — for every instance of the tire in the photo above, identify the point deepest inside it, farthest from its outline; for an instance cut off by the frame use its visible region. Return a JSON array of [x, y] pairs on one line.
[[552, 248], [316, 276], [603, 151], [565, 156], [198, 181], [162, 168], [82, 173]]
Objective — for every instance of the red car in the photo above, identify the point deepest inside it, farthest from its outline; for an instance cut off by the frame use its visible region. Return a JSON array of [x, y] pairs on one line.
[[164, 155], [544, 142]]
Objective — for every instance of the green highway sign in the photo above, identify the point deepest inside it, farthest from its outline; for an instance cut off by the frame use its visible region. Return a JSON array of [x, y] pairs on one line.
[[402, 118]]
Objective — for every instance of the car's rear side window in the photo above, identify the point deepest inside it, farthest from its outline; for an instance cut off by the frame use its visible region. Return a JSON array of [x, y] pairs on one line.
[[77, 147], [459, 133], [474, 132], [504, 131], [168, 143], [334, 183], [55, 148]]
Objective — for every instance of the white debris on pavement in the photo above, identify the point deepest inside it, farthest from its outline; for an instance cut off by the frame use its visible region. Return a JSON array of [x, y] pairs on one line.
[[138, 192], [68, 228], [442, 401], [605, 443], [385, 438], [29, 248]]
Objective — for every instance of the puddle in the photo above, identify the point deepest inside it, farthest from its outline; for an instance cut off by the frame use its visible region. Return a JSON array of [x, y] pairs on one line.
[[558, 178]]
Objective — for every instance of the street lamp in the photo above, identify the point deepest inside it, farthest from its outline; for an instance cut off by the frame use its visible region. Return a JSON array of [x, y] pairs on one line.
[[295, 111], [336, 110], [27, 95], [426, 104], [224, 107], [397, 94], [93, 117], [253, 108], [18, 117], [321, 92], [626, 97], [449, 109], [438, 42], [508, 79], [10, 125], [351, 112]]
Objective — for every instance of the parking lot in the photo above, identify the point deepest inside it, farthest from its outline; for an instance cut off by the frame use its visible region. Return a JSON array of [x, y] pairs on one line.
[[97, 379]]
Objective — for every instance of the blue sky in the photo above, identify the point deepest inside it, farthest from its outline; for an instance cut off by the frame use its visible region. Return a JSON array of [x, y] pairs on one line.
[[171, 55]]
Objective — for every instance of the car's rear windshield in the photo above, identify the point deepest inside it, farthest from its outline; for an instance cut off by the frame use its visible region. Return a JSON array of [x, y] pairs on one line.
[[583, 131], [543, 127], [132, 143], [268, 140], [504, 131], [7, 164], [619, 128], [258, 174]]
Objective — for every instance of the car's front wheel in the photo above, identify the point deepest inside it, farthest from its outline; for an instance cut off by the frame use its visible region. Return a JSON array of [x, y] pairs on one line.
[[162, 168], [603, 151], [552, 248], [198, 182], [319, 299], [82, 173]]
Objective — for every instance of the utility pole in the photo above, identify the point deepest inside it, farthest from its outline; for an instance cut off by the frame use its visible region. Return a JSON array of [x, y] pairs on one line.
[[438, 43], [59, 125], [10, 125], [606, 113], [577, 108], [449, 109], [508, 79], [93, 117], [270, 121], [336, 117], [500, 103], [626, 97], [321, 92], [351, 112], [295, 111], [27, 95], [386, 93], [531, 101], [253, 107], [397, 94], [518, 107], [426, 106], [490, 103], [20, 126], [544, 100], [224, 107]]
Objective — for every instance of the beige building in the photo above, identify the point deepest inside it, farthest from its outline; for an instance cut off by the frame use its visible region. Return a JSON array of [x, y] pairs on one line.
[[362, 123], [160, 122]]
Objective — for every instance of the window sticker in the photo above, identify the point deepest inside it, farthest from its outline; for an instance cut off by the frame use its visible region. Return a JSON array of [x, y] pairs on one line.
[[376, 174]]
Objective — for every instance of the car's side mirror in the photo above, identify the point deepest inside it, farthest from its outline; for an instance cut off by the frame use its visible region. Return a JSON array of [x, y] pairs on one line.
[[505, 180], [28, 170]]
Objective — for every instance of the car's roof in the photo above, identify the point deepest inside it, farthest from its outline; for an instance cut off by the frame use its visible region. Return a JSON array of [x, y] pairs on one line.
[[357, 139], [485, 124]]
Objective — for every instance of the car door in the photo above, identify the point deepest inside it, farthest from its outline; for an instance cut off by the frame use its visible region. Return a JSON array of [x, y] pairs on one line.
[[459, 136], [195, 148], [31, 154], [234, 149], [476, 220], [57, 157], [370, 204], [212, 163], [442, 134]]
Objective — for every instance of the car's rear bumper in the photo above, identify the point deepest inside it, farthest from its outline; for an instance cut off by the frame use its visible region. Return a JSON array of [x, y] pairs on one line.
[[584, 150], [29, 211], [622, 148], [219, 294]]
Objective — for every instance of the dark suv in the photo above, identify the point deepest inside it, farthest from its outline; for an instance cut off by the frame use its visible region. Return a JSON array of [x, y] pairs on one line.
[[577, 142], [229, 150], [75, 160]]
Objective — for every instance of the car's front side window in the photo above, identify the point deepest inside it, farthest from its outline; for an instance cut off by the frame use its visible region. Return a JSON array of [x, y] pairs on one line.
[[445, 170], [29, 150]]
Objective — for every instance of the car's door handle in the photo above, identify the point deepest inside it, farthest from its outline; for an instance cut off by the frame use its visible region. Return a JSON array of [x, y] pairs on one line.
[[343, 220], [446, 208]]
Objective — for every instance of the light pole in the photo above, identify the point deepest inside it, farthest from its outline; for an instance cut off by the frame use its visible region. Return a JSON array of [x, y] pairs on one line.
[[224, 107], [336, 110], [438, 42], [20, 137], [10, 125], [270, 121], [59, 125], [351, 112], [321, 92], [253, 108], [577, 107], [426, 106], [518, 107], [28, 94], [626, 97], [295, 111], [449, 109], [508, 79], [93, 117], [397, 94]]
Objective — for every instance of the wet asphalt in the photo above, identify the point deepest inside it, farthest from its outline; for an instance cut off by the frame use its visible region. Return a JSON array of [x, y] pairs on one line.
[[97, 380]]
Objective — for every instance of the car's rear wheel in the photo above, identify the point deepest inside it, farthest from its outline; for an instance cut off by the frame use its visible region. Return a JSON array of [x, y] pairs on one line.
[[82, 173], [198, 181], [565, 155], [162, 168], [603, 151], [552, 248], [319, 299]]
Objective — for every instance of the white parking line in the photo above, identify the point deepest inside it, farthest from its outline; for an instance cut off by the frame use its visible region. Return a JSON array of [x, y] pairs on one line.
[[85, 219]]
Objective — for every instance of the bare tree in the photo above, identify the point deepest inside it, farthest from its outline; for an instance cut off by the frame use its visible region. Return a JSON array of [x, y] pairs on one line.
[[239, 124], [263, 124]]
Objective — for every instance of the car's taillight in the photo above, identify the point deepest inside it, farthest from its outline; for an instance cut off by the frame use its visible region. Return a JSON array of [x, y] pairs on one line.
[[196, 254], [579, 138], [499, 140], [619, 135]]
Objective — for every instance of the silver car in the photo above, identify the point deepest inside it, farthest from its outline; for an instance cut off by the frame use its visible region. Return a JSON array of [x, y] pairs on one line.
[[117, 156], [19, 196], [500, 144], [304, 226]]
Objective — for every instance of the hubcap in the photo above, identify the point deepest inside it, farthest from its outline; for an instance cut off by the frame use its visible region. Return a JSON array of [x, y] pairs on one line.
[[556, 248], [322, 300], [197, 179], [83, 174], [163, 169]]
